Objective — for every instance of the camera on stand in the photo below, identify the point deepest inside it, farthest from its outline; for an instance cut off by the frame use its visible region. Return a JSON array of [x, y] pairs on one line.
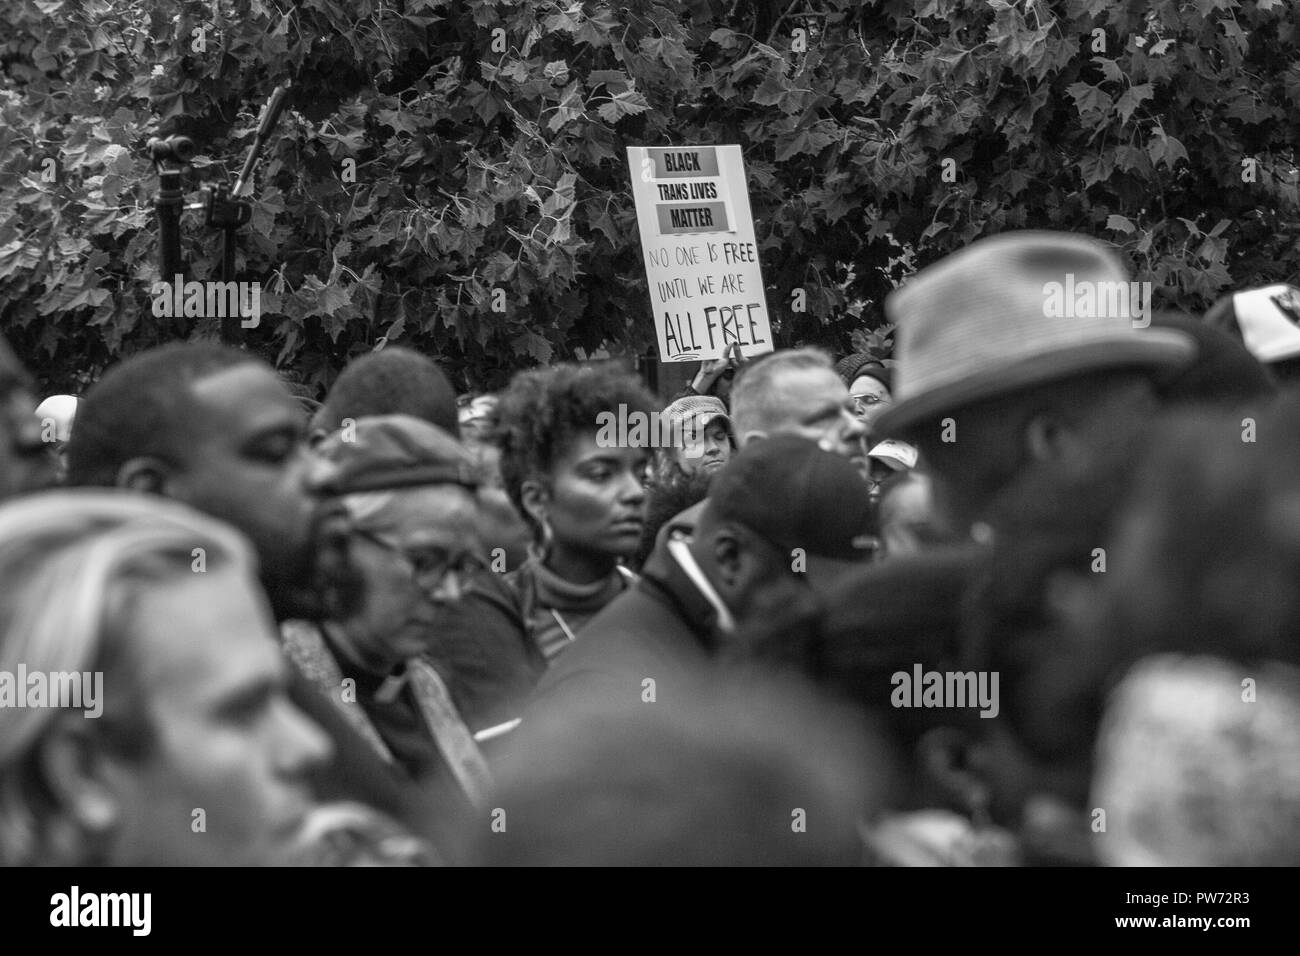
[[222, 208], [176, 149]]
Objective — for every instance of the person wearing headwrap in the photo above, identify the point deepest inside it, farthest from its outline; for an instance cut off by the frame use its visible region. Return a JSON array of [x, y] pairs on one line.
[[870, 385], [410, 493]]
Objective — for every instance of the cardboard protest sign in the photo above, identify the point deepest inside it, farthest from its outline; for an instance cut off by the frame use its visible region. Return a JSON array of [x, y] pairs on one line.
[[701, 257]]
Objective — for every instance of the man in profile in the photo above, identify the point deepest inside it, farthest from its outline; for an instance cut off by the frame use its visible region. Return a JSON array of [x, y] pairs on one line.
[[795, 392], [994, 382], [191, 753], [215, 428]]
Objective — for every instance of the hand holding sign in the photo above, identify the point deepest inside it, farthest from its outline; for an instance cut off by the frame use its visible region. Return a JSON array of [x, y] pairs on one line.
[[715, 369]]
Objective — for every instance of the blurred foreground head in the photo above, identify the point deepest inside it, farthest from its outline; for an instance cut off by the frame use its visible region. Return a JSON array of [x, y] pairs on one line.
[[1207, 553], [1021, 349], [1195, 769], [1202, 561], [154, 727], [734, 775], [782, 516]]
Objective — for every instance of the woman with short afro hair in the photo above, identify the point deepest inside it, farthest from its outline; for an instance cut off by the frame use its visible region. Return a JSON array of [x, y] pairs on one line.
[[583, 497]]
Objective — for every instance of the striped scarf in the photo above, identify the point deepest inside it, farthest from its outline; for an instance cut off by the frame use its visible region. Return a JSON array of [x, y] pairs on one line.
[[305, 646]]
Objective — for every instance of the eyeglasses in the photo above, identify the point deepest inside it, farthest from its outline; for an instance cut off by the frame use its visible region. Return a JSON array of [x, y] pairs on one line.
[[430, 566], [866, 400]]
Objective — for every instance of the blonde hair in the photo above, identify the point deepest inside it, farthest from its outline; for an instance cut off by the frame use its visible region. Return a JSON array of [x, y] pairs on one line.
[[72, 562]]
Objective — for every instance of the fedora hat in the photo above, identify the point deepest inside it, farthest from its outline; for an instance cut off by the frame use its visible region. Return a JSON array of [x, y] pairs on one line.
[[1013, 311]]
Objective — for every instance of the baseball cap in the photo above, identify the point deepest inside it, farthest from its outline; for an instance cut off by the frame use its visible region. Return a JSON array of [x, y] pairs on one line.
[[62, 411], [789, 491], [1266, 319], [898, 455]]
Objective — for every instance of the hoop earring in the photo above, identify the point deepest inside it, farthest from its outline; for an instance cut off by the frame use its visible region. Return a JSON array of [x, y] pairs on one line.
[[547, 538]]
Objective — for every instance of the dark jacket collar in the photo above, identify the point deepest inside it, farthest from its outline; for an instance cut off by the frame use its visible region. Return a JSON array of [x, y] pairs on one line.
[[664, 578]]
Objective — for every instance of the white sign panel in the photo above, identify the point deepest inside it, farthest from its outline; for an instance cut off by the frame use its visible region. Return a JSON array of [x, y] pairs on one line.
[[701, 257]]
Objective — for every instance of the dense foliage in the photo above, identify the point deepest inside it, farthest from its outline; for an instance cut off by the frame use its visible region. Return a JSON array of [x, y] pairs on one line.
[[486, 137]]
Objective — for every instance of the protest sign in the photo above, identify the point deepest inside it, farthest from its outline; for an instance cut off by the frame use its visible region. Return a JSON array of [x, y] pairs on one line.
[[701, 257]]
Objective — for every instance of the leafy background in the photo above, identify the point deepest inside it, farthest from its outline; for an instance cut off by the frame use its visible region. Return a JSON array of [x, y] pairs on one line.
[[495, 160]]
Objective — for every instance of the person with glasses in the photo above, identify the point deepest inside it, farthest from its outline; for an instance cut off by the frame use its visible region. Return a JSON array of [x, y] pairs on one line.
[[410, 493], [870, 385]]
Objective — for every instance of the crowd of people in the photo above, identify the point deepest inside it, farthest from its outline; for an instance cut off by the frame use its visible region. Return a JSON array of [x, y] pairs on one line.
[[1021, 594]]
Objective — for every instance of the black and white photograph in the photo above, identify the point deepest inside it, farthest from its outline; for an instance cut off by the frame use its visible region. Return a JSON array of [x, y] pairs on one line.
[[650, 435]]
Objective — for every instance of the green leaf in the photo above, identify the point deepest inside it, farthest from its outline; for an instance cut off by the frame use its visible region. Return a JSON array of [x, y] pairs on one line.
[[1098, 168], [557, 71], [772, 90], [1249, 108], [570, 108], [724, 38], [1131, 99], [1165, 148], [535, 345], [1110, 69], [631, 103], [1089, 100], [615, 81], [1120, 224], [562, 197]]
